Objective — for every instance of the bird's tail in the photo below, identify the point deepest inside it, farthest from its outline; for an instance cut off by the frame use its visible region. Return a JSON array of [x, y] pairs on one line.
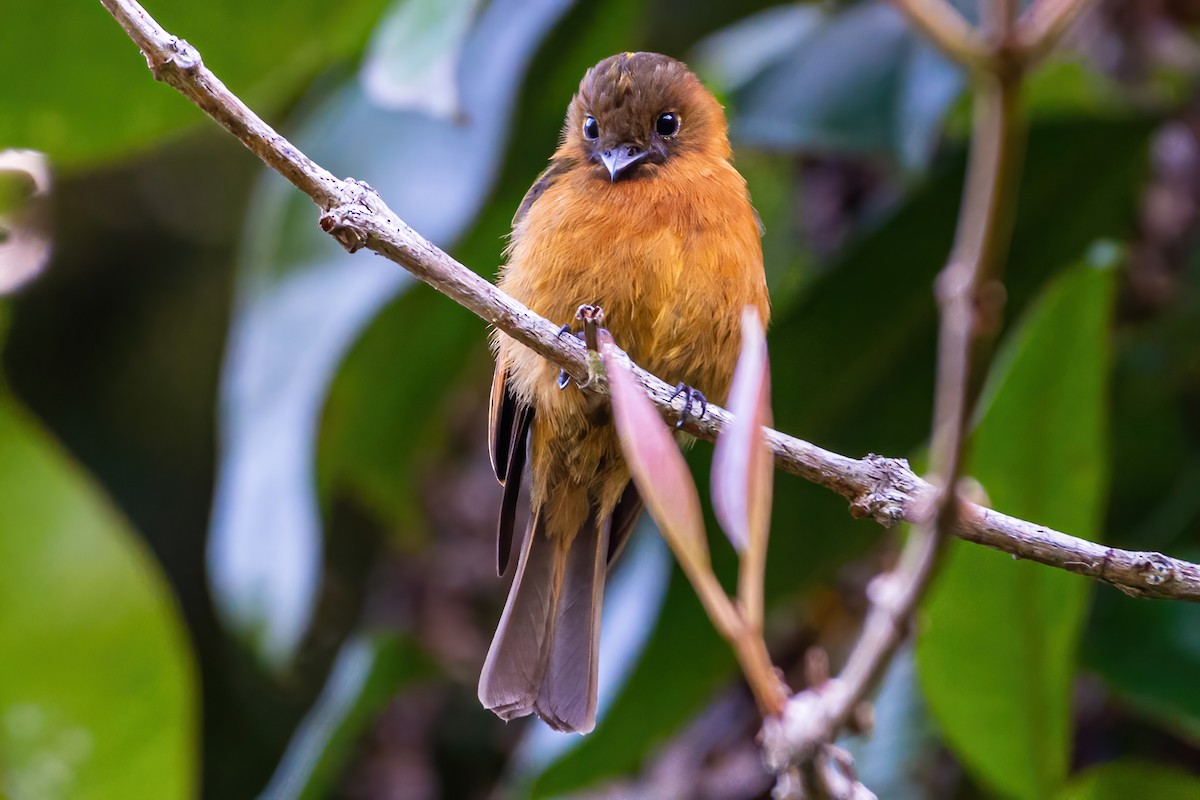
[[543, 657]]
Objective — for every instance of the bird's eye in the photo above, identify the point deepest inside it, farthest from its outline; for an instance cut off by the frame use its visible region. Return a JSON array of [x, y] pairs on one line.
[[591, 129], [667, 125]]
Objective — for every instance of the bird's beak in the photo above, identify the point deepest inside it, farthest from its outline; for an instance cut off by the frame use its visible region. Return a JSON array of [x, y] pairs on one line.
[[620, 158]]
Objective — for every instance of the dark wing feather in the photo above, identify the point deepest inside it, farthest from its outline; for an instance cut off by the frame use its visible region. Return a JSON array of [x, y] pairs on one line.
[[508, 432], [517, 449], [624, 517], [544, 181], [502, 413]]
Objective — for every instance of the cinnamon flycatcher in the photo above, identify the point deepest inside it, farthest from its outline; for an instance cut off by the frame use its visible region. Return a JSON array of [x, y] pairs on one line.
[[640, 212]]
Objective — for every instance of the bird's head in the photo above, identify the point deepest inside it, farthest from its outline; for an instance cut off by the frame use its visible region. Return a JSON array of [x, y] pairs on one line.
[[636, 110]]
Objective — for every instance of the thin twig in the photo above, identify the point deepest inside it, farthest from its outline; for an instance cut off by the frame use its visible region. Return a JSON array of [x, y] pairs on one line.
[[817, 715], [947, 29], [1043, 25], [884, 489]]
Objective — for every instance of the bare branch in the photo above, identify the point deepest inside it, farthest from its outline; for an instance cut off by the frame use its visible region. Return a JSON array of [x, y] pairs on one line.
[[884, 489], [947, 29], [815, 716], [1043, 25]]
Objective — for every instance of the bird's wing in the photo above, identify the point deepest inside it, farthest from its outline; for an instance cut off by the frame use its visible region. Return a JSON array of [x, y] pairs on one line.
[[502, 408], [624, 517], [549, 175], [508, 432]]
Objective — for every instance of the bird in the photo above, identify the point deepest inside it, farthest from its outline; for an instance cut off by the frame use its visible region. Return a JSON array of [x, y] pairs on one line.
[[641, 212]]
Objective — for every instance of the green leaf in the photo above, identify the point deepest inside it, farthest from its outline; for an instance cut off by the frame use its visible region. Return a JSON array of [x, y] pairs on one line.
[[1124, 780], [999, 638], [370, 669], [1148, 654], [91, 97], [97, 684], [413, 57], [1069, 85]]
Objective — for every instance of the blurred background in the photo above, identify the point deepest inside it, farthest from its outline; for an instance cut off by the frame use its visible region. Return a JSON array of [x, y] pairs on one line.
[[246, 515]]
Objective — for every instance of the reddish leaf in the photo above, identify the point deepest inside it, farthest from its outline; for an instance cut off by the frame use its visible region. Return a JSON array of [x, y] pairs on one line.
[[654, 459], [742, 467]]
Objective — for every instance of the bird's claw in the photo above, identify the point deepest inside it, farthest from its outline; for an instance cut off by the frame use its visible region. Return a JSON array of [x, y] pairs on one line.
[[690, 396], [592, 316]]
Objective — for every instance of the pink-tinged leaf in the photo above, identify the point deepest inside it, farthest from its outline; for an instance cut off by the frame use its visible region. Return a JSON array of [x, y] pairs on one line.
[[742, 467], [657, 466]]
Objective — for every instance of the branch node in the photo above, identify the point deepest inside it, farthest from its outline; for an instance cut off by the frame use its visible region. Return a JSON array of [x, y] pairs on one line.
[[886, 592], [954, 282], [179, 57], [346, 221], [1155, 568], [339, 222], [890, 487]]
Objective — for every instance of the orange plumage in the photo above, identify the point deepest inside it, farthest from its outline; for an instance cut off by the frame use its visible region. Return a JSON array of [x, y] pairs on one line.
[[642, 213]]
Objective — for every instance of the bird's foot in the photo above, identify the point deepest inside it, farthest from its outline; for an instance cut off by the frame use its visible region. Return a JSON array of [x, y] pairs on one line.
[[690, 396], [592, 317]]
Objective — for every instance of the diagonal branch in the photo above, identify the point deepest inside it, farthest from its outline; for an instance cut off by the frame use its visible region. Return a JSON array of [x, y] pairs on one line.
[[945, 27], [1043, 25], [881, 488]]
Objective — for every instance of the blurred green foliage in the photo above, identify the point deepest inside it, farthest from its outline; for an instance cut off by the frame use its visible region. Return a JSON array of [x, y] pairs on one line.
[[1121, 779], [90, 97], [98, 689], [352, 404], [998, 640]]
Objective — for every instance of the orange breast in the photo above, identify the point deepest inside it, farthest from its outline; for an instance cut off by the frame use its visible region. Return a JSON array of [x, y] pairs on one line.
[[671, 256]]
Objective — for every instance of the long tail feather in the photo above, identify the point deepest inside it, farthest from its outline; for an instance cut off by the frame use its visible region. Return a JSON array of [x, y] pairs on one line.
[[516, 661], [543, 657], [567, 700]]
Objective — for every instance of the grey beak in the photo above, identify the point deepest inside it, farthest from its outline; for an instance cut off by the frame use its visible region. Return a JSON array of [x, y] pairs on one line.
[[618, 159]]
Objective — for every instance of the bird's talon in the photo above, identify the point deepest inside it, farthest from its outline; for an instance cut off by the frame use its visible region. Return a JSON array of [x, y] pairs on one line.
[[690, 396], [564, 379], [590, 313], [564, 329]]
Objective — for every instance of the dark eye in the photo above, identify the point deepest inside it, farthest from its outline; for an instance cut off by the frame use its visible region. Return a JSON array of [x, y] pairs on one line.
[[591, 129], [667, 124]]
